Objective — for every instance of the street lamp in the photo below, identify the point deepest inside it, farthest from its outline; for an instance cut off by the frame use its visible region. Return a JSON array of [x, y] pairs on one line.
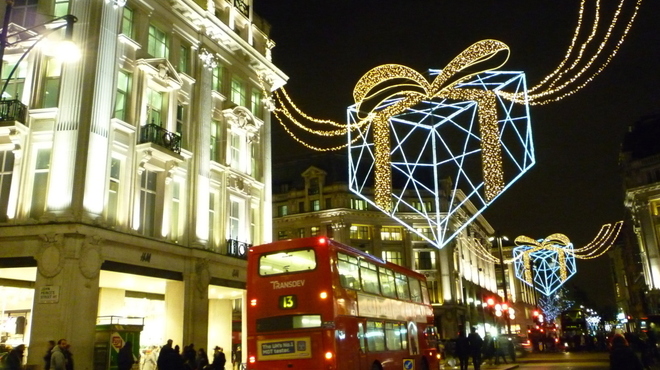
[[67, 50]]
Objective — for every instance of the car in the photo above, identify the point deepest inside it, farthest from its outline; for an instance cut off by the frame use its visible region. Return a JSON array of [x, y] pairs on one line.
[[521, 344]]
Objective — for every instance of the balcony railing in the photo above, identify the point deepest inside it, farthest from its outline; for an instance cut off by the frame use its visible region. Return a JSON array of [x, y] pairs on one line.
[[153, 133], [238, 249], [12, 110]]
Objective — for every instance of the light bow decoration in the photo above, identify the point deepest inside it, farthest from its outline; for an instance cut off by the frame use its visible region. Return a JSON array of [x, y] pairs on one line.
[[417, 133], [548, 263]]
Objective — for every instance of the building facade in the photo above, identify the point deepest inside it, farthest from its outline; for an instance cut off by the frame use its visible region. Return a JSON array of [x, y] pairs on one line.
[[132, 180], [638, 285], [311, 197]]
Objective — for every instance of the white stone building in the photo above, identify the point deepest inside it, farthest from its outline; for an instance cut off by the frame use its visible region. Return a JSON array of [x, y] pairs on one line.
[[132, 180]]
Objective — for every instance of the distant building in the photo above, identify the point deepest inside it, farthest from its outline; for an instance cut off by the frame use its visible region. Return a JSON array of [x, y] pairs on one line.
[[638, 283], [311, 197], [133, 180]]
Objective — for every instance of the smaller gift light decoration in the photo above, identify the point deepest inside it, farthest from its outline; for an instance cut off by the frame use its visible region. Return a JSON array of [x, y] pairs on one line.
[[546, 264]]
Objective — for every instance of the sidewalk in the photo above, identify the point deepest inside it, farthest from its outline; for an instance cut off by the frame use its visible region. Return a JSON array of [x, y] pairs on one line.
[[484, 366]]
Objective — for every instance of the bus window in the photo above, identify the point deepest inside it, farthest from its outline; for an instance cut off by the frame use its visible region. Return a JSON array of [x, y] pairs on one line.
[[369, 277], [349, 271], [425, 293], [392, 336], [361, 338], [286, 262], [387, 282], [403, 332], [375, 336], [402, 289], [415, 290], [280, 323]]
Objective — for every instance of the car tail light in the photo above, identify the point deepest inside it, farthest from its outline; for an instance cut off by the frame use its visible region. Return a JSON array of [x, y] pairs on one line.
[[252, 359]]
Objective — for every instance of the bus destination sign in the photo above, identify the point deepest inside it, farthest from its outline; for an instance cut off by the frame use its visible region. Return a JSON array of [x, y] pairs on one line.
[[283, 349], [288, 302]]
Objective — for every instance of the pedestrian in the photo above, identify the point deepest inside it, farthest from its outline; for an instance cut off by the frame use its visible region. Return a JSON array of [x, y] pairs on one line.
[[51, 345], [148, 359], [164, 361], [462, 349], [489, 349], [202, 359], [622, 357], [219, 359], [14, 360], [57, 358], [69, 356], [511, 348], [476, 343], [500, 347], [125, 358], [237, 358]]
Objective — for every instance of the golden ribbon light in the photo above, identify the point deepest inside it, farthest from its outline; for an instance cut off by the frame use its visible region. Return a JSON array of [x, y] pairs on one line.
[[554, 242], [444, 87]]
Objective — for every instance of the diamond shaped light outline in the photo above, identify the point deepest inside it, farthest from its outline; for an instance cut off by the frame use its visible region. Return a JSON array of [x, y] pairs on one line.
[[546, 271], [361, 148]]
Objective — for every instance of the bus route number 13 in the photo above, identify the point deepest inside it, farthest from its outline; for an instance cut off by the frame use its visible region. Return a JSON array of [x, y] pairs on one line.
[[288, 302]]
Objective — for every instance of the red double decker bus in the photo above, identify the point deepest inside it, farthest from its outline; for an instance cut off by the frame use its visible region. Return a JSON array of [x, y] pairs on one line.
[[314, 303]]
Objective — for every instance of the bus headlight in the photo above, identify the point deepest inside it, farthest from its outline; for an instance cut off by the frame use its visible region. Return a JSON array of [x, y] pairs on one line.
[[329, 355], [252, 359], [323, 295]]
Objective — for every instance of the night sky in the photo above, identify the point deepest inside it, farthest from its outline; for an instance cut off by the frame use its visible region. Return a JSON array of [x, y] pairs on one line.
[[575, 186]]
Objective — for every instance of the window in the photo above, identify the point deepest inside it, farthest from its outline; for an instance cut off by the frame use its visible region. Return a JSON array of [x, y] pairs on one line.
[[157, 43], [415, 290], [212, 218], [402, 289], [154, 107], [253, 224], [175, 215], [360, 232], [282, 211], [393, 336], [234, 219], [314, 186], [390, 233], [184, 59], [124, 80], [6, 170], [282, 235], [23, 12], [315, 205], [424, 260], [51, 90], [359, 204], [61, 7], [375, 336], [275, 263], [148, 183], [386, 277], [255, 102], [655, 207], [15, 85], [180, 118], [287, 323], [328, 203], [113, 190], [426, 231], [301, 207], [425, 206], [40, 182], [314, 231], [216, 79], [349, 271], [237, 91], [235, 150], [301, 232], [127, 21], [393, 256], [214, 140], [369, 275]]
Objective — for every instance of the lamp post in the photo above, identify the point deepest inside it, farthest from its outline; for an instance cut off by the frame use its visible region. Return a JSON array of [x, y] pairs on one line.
[[65, 49], [498, 238]]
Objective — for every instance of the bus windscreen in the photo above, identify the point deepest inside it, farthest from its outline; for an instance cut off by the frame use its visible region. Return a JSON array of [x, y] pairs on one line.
[[287, 262]]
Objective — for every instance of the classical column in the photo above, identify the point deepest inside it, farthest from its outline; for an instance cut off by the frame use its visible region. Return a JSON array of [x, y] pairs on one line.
[[196, 303], [174, 307], [66, 296]]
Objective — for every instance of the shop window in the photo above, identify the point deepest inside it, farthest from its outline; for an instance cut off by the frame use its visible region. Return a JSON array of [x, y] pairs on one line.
[[40, 182], [6, 171], [390, 233], [127, 22], [237, 91], [124, 80], [360, 232], [157, 43], [51, 83], [148, 188]]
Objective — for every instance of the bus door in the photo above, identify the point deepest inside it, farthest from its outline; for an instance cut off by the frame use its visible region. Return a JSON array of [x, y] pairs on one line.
[[362, 346]]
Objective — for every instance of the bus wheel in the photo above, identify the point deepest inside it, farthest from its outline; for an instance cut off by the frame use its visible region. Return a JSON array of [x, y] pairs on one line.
[[376, 366], [425, 364]]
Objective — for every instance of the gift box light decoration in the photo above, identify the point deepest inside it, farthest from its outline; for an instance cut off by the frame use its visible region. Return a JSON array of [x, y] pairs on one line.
[[546, 264], [434, 149]]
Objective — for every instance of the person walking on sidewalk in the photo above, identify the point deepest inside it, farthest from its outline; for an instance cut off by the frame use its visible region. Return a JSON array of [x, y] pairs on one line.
[[476, 343], [462, 349]]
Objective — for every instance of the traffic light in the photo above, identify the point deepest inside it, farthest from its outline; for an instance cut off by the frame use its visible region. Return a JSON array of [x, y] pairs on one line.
[[537, 317]]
